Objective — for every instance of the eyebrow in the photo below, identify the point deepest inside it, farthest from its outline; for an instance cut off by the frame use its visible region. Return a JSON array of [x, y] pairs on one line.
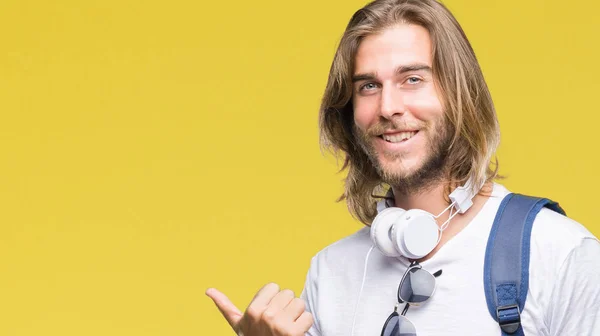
[[399, 71]]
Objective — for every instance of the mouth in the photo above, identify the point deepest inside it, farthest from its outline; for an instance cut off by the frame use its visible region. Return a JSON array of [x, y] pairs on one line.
[[398, 137]]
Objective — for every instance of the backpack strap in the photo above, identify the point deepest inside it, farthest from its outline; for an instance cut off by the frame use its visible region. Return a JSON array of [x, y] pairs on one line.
[[506, 265]]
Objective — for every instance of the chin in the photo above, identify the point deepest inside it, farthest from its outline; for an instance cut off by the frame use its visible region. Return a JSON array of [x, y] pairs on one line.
[[398, 168], [403, 163]]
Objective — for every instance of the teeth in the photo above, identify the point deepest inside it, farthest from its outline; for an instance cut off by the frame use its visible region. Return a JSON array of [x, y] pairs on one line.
[[399, 136]]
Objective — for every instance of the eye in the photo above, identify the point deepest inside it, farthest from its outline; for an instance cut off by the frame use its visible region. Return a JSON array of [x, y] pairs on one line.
[[368, 86], [413, 80]]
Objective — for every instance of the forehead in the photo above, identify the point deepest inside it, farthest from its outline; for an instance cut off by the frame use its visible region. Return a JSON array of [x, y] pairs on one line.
[[399, 45]]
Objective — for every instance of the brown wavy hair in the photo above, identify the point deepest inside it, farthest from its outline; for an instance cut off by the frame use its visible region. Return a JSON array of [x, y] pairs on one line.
[[468, 106]]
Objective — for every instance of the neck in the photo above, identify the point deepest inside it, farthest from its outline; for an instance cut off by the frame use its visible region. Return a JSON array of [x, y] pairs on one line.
[[431, 199]]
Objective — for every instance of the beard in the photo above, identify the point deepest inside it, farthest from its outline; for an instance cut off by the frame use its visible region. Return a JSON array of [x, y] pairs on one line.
[[420, 178]]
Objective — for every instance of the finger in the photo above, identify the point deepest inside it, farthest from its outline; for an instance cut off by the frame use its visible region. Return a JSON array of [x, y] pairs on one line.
[[265, 294], [305, 321], [277, 304], [281, 300], [231, 313], [260, 302], [295, 308]]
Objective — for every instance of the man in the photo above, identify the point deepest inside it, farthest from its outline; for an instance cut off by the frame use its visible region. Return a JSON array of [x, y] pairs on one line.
[[407, 105]]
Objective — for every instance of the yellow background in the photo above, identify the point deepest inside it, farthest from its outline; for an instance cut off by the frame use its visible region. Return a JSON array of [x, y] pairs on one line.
[[150, 149]]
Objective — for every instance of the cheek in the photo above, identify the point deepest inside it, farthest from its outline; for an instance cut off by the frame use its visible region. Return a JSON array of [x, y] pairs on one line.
[[364, 114], [425, 106]]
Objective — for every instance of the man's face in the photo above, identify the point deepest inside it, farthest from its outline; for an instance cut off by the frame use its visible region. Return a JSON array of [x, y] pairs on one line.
[[398, 114]]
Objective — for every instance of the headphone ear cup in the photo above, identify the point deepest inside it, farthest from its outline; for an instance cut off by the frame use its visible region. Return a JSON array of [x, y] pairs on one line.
[[416, 234], [381, 230]]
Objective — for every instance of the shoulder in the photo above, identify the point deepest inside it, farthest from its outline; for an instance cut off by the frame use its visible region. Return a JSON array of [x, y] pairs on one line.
[[561, 251], [555, 236], [343, 254], [334, 265]]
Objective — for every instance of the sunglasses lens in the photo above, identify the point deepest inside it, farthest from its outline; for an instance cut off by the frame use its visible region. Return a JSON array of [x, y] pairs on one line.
[[397, 325], [416, 287]]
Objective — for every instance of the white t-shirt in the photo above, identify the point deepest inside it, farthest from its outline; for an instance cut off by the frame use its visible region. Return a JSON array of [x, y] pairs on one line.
[[563, 296]]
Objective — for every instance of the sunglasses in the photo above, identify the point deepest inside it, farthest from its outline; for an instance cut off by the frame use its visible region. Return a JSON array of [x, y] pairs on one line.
[[417, 286]]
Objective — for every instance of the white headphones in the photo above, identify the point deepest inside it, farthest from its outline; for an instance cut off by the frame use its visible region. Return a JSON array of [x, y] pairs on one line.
[[414, 233]]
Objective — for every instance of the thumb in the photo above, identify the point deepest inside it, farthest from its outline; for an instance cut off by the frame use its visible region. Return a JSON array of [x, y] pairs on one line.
[[227, 308]]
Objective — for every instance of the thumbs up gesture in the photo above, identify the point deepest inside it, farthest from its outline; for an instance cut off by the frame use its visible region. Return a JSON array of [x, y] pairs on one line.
[[272, 312]]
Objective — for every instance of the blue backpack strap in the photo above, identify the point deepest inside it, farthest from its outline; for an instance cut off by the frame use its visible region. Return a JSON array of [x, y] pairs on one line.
[[506, 265]]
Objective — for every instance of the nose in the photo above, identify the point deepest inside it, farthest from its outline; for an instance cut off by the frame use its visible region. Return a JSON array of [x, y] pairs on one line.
[[392, 102]]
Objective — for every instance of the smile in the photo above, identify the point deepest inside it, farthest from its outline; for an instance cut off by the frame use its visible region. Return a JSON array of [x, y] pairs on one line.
[[398, 137]]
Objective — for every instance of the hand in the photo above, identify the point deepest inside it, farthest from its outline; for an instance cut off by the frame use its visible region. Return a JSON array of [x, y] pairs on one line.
[[272, 312]]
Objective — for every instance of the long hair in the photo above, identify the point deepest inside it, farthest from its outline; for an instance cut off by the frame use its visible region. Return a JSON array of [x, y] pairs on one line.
[[468, 108]]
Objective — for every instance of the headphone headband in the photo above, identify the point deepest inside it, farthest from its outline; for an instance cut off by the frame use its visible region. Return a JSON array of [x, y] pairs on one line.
[[461, 197]]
